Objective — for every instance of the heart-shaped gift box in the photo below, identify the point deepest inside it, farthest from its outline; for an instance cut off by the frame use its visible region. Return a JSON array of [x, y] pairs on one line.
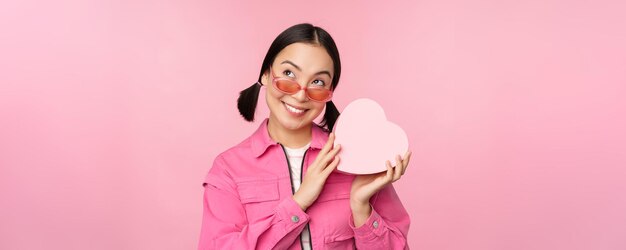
[[367, 138]]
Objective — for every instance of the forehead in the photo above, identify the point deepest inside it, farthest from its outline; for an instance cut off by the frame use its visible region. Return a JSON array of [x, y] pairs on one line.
[[309, 57]]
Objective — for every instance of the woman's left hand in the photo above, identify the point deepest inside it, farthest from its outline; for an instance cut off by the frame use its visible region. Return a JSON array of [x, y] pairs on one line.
[[365, 186]]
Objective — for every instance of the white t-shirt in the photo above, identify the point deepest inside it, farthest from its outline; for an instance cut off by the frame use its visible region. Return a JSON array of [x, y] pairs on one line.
[[296, 156]]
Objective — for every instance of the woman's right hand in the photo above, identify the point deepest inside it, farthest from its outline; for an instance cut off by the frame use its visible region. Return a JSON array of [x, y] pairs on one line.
[[317, 173]]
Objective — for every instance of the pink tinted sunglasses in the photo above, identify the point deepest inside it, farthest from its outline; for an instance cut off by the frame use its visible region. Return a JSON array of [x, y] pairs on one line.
[[290, 87]]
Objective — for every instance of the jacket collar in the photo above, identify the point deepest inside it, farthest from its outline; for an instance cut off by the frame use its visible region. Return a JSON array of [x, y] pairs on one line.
[[261, 139]]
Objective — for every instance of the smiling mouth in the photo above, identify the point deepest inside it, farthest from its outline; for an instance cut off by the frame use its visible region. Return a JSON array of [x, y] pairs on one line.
[[293, 109]]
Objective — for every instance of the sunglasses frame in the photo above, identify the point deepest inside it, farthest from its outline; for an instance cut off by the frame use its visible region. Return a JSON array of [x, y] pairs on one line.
[[306, 89]]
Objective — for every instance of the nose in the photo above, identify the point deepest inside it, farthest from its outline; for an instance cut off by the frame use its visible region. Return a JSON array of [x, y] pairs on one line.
[[301, 95]]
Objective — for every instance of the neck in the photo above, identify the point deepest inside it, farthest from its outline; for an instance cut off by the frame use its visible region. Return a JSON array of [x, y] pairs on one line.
[[289, 137]]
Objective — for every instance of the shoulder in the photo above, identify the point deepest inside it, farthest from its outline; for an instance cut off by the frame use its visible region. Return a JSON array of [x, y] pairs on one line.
[[225, 162], [238, 152]]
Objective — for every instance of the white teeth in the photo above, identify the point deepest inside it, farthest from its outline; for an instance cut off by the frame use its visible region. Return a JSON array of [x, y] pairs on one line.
[[292, 109]]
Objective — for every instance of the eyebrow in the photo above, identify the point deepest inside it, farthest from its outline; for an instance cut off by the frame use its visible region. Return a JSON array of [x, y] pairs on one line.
[[298, 68]]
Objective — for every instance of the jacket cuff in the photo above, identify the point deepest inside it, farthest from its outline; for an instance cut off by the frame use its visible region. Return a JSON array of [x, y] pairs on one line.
[[372, 228], [291, 214]]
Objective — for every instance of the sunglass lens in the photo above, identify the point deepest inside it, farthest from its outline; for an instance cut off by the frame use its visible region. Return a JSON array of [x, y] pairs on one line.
[[318, 94], [287, 86]]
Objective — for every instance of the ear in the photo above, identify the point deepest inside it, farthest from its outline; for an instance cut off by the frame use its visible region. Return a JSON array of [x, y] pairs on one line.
[[265, 79]]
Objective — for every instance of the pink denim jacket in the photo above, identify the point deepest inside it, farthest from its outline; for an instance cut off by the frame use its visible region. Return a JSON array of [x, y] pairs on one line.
[[248, 203]]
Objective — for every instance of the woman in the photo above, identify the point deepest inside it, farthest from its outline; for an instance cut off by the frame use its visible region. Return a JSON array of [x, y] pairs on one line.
[[277, 189]]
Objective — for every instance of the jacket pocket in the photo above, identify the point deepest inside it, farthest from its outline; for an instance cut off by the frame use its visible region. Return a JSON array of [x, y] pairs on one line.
[[258, 191], [335, 191], [340, 241], [332, 194], [259, 196]]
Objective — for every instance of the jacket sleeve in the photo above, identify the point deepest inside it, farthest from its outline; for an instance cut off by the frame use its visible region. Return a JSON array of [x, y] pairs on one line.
[[388, 225], [224, 221]]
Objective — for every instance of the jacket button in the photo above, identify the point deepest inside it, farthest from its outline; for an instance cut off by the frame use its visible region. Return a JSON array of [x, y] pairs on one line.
[[295, 219], [375, 224]]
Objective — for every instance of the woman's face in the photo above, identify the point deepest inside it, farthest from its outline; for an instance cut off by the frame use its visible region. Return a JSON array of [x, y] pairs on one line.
[[310, 66]]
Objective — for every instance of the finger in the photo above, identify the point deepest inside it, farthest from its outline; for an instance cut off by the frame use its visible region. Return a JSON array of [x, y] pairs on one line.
[[332, 166], [389, 175], [329, 144], [330, 156], [406, 155], [397, 173], [325, 149], [406, 160]]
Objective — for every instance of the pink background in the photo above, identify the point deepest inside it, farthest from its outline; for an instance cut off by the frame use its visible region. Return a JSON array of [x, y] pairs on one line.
[[112, 112]]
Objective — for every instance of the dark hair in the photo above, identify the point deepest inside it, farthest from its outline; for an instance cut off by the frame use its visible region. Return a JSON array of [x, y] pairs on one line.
[[299, 33]]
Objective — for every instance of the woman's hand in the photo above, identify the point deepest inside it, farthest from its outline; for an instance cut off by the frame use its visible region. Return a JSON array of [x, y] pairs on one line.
[[365, 186], [317, 173]]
